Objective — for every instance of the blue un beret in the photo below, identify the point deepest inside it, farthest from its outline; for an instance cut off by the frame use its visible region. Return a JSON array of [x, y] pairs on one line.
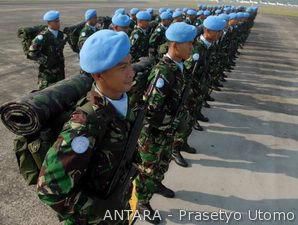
[[191, 12], [199, 13], [121, 20], [103, 50], [233, 16], [120, 11], [143, 15], [181, 32], [149, 10], [207, 13], [224, 16], [185, 10], [214, 23], [161, 10], [51, 15], [89, 14], [134, 11], [177, 14], [178, 9], [218, 11], [166, 16]]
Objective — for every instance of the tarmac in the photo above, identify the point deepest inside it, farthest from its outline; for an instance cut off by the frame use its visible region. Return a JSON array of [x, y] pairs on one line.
[[247, 156]]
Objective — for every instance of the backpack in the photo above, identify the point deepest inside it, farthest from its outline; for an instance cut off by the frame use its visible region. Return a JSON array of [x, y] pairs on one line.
[[27, 34], [73, 34]]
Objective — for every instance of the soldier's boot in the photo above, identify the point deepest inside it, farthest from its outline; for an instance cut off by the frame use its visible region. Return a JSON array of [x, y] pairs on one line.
[[206, 104], [201, 117], [197, 126], [188, 149], [146, 209], [178, 158], [209, 98], [164, 191]]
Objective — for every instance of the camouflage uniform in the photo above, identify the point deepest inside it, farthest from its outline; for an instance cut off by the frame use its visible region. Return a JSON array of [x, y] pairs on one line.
[[139, 44], [155, 142], [73, 180], [157, 38], [86, 32], [48, 52]]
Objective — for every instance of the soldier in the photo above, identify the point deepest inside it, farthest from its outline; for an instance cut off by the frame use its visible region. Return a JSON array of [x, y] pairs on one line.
[[156, 138], [191, 16], [120, 11], [133, 12], [200, 18], [177, 16], [158, 37], [79, 167], [121, 23], [139, 38], [47, 50], [89, 28]]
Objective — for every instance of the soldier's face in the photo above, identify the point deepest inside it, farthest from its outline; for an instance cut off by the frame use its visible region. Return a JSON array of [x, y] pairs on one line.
[[55, 24], [92, 21], [211, 35], [166, 22], [178, 19], [184, 50], [119, 79], [143, 24]]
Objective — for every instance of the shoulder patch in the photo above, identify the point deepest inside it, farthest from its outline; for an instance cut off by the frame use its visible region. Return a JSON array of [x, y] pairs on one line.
[[160, 83], [136, 36], [80, 144], [158, 29], [83, 34], [40, 37]]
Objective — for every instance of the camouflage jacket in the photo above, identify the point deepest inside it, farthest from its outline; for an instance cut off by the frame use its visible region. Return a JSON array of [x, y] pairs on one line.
[[48, 50], [188, 21], [78, 168], [158, 37], [86, 32], [165, 98], [198, 22], [139, 43]]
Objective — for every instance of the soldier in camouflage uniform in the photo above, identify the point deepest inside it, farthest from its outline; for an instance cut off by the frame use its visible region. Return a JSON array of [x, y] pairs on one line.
[[158, 37], [191, 16], [47, 50], [133, 13], [89, 28], [165, 105], [79, 167], [177, 16], [139, 38]]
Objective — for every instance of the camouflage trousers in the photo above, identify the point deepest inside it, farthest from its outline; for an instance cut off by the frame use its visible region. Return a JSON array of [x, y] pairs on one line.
[[48, 76], [155, 152], [184, 128]]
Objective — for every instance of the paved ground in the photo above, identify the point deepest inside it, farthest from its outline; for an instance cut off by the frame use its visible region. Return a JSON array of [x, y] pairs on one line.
[[247, 156]]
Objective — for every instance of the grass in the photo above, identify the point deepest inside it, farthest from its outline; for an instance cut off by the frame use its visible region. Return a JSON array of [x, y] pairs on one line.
[[279, 10]]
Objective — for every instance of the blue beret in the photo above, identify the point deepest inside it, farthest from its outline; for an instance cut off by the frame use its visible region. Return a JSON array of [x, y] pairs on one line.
[[239, 15], [214, 23], [185, 10], [170, 10], [134, 11], [121, 20], [191, 12], [207, 13], [143, 15], [166, 16], [51, 15], [181, 32], [204, 7], [103, 50], [218, 11], [199, 13], [232, 16], [246, 15], [178, 9], [224, 16], [149, 10], [120, 11], [90, 13], [161, 10], [177, 14]]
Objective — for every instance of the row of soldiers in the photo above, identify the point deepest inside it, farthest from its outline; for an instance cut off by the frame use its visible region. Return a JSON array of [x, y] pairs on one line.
[[190, 50]]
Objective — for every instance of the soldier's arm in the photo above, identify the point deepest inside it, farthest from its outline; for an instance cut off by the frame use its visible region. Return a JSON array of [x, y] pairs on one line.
[[35, 49], [159, 95], [83, 37], [59, 183], [135, 43], [154, 39]]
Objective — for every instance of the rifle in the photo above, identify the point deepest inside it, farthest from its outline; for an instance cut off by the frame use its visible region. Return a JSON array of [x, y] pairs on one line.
[[126, 164]]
